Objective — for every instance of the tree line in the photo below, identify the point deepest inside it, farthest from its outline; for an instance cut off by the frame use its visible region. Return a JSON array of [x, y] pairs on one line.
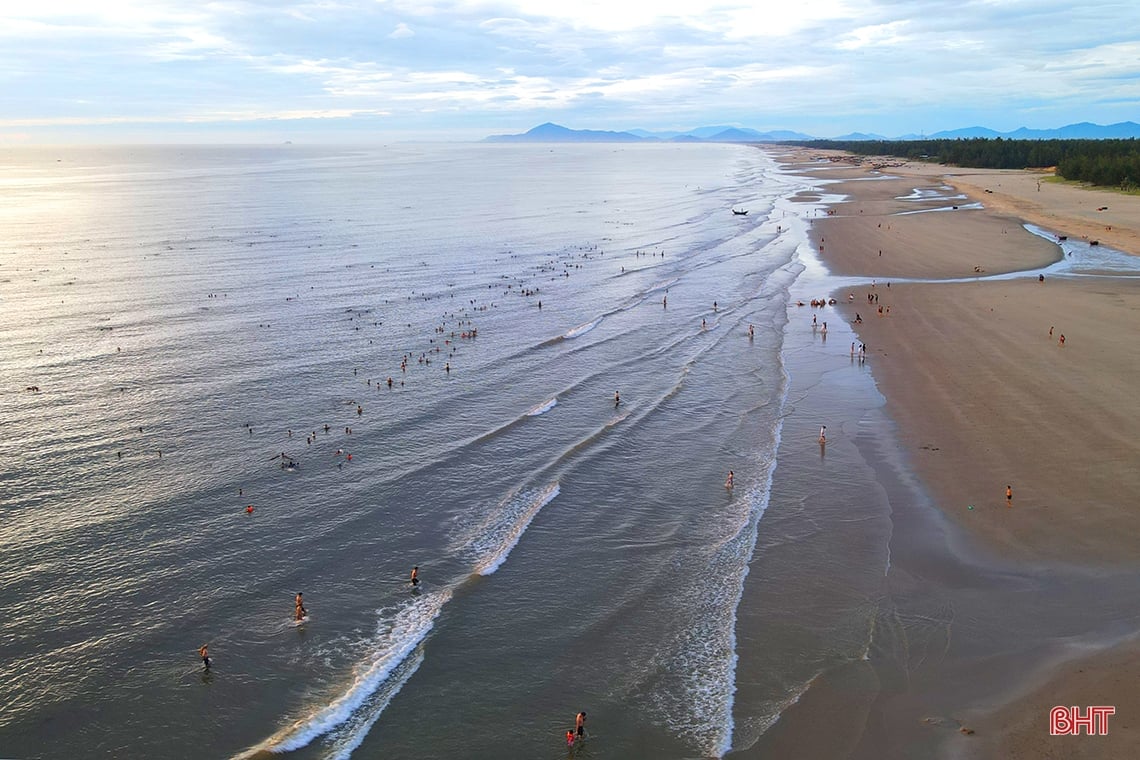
[[1109, 163]]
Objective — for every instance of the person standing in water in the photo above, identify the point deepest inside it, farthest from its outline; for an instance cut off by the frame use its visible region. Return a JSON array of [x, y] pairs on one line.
[[299, 611], [415, 579], [580, 724], [204, 653], [823, 434], [729, 482], [617, 399]]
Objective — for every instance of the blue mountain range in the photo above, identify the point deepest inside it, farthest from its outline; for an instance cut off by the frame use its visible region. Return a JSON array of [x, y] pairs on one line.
[[554, 133]]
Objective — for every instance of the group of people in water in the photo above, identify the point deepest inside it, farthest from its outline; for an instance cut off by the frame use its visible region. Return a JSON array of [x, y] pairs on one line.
[[577, 735], [300, 614]]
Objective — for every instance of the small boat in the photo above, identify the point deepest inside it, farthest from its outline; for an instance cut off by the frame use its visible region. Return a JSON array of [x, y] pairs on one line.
[[743, 212]]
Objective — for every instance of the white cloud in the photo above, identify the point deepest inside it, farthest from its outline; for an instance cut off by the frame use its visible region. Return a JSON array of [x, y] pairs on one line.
[[878, 35], [401, 31], [856, 61]]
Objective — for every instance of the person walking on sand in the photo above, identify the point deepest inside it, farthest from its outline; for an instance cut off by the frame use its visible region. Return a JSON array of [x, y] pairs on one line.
[[1009, 496]]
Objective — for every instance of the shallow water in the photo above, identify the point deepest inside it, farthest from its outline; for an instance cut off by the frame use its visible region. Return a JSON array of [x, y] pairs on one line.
[[222, 305]]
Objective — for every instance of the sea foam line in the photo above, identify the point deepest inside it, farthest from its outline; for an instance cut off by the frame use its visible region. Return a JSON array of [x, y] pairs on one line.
[[501, 533], [410, 626], [393, 643], [582, 329], [759, 505], [543, 408], [355, 731]]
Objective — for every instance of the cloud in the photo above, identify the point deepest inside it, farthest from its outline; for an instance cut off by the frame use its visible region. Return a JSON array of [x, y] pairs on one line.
[[401, 31], [868, 65]]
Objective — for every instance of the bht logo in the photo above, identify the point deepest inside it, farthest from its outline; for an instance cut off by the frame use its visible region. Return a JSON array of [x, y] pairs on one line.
[[1066, 721]]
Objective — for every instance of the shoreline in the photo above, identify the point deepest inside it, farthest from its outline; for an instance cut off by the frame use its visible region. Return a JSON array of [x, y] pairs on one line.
[[978, 393]]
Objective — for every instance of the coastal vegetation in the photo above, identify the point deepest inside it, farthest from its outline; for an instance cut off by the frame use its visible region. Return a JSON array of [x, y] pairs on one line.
[[1107, 163]]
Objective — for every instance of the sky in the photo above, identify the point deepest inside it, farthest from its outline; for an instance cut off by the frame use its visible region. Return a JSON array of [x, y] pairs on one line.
[[377, 70]]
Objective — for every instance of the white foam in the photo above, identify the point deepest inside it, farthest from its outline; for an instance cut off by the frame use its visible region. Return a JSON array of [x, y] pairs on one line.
[[503, 531], [582, 329], [962, 207], [543, 408], [395, 640], [357, 729]]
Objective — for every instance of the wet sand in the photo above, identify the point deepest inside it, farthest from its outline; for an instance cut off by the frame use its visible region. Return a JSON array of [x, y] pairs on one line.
[[983, 398]]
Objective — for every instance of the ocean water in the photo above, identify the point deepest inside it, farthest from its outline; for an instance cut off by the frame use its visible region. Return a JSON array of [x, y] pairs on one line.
[[179, 323]]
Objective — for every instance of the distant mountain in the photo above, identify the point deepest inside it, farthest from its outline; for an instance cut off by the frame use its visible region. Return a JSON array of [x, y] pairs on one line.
[[1082, 131], [734, 134], [966, 133], [706, 132], [659, 135], [864, 137], [554, 133], [783, 135]]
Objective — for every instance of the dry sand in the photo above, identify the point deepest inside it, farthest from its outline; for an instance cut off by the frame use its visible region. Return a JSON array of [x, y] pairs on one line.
[[984, 397]]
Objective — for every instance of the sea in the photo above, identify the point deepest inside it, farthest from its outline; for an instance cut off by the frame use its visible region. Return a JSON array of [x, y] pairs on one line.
[[232, 374]]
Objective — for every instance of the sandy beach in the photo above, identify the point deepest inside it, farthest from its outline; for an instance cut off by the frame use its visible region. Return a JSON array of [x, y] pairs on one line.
[[985, 396]]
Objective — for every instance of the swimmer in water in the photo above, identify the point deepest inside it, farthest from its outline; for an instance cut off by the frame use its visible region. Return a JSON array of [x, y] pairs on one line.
[[570, 738], [823, 434], [415, 579]]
